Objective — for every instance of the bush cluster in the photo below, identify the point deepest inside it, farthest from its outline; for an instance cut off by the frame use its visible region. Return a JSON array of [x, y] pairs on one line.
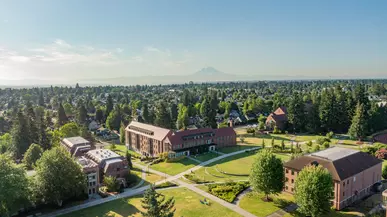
[[227, 191]]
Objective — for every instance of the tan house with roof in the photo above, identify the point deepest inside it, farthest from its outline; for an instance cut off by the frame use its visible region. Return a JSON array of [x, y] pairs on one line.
[[150, 140], [278, 118], [353, 172]]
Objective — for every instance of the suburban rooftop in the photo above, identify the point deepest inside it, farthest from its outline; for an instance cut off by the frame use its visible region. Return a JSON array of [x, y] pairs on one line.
[[334, 153], [102, 154], [71, 141]]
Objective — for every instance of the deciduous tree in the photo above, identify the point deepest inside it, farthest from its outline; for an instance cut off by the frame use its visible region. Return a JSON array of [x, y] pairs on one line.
[[59, 177], [314, 191], [267, 174], [33, 154]]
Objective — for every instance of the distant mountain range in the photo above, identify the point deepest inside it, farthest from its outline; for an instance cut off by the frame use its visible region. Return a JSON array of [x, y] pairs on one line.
[[208, 74]]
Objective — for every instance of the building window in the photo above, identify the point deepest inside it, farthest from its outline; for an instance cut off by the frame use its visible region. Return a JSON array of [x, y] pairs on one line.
[[292, 189], [292, 172], [93, 190], [118, 169], [344, 184], [286, 179], [292, 180], [343, 194], [93, 177], [94, 183], [89, 191], [286, 170], [286, 187]]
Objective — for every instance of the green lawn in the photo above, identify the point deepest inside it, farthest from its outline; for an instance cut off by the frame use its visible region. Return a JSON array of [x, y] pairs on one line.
[[187, 204], [173, 168], [120, 149], [254, 204], [206, 156], [333, 213], [236, 148], [239, 165]]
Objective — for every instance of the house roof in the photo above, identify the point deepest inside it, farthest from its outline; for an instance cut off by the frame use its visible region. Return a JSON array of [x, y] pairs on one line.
[[177, 137], [281, 110], [225, 131], [148, 130], [71, 141], [99, 155], [340, 162]]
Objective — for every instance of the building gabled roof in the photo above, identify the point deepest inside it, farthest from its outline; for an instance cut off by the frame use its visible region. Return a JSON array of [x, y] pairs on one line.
[[282, 110], [148, 130], [177, 137], [342, 163]]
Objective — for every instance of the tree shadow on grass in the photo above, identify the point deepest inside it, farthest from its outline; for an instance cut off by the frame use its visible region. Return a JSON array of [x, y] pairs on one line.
[[121, 207]]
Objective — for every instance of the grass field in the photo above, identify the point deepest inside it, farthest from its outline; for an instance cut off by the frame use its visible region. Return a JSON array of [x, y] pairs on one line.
[[253, 203], [206, 156], [187, 204], [173, 168], [231, 149], [239, 165], [333, 213]]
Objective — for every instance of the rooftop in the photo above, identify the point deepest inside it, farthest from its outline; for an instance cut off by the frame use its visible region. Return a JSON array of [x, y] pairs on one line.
[[86, 163], [334, 153], [102, 154], [148, 130], [71, 141]]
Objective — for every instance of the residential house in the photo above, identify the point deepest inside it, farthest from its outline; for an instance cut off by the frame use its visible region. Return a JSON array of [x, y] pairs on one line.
[[354, 173], [150, 140], [278, 118]]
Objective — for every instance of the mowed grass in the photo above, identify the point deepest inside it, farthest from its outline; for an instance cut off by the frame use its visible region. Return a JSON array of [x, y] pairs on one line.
[[254, 204], [206, 156], [239, 165], [332, 213], [235, 148], [187, 204], [173, 168]]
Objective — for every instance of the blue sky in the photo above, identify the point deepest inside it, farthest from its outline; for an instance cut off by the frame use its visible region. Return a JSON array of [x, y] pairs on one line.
[[50, 39]]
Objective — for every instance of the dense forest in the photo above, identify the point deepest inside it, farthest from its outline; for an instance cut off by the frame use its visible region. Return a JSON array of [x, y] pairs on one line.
[[44, 115]]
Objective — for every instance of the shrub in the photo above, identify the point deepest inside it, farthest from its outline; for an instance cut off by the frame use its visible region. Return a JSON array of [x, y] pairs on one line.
[[384, 172], [165, 185], [316, 148], [111, 184], [276, 130], [250, 130], [381, 154], [330, 135], [309, 144], [227, 191], [326, 145], [322, 139], [164, 156]]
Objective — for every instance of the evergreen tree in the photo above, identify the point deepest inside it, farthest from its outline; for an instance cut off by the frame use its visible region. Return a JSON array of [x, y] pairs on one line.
[[174, 112], [44, 140], [41, 99], [20, 135], [31, 121], [342, 121], [129, 159], [296, 112], [327, 111], [82, 115], [109, 105], [182, 119], [122, 133], [145, 113], [155, 204], [267, 174], [99, 115], [163, 118], [358, 127], [62, 118]]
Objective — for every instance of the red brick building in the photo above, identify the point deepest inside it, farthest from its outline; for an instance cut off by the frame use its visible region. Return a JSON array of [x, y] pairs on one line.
[[353, 173], [150, 140], [278, 118]]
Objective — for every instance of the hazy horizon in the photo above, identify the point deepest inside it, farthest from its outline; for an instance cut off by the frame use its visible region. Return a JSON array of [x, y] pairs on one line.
[[70, 41]]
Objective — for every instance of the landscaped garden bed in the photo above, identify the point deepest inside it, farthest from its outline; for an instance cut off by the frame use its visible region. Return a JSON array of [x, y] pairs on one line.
[[227, 191]]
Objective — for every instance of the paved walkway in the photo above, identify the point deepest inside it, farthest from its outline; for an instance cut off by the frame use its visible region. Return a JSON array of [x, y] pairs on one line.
[[241, 195], [292, 207], [132, 192]]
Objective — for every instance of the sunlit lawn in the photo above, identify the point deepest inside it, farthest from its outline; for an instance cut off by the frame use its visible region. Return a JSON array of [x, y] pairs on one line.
[[173, 168], [206, 156], [239, 165], [236, 148], [187, 204], [254, 204], [333, 213]]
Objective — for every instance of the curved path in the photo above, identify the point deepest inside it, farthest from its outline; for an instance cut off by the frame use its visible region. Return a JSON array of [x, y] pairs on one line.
[[132, 192], [241, 195]]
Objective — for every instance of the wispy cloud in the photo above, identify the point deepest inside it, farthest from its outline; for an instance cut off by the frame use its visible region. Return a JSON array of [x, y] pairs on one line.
[[62, 58]]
